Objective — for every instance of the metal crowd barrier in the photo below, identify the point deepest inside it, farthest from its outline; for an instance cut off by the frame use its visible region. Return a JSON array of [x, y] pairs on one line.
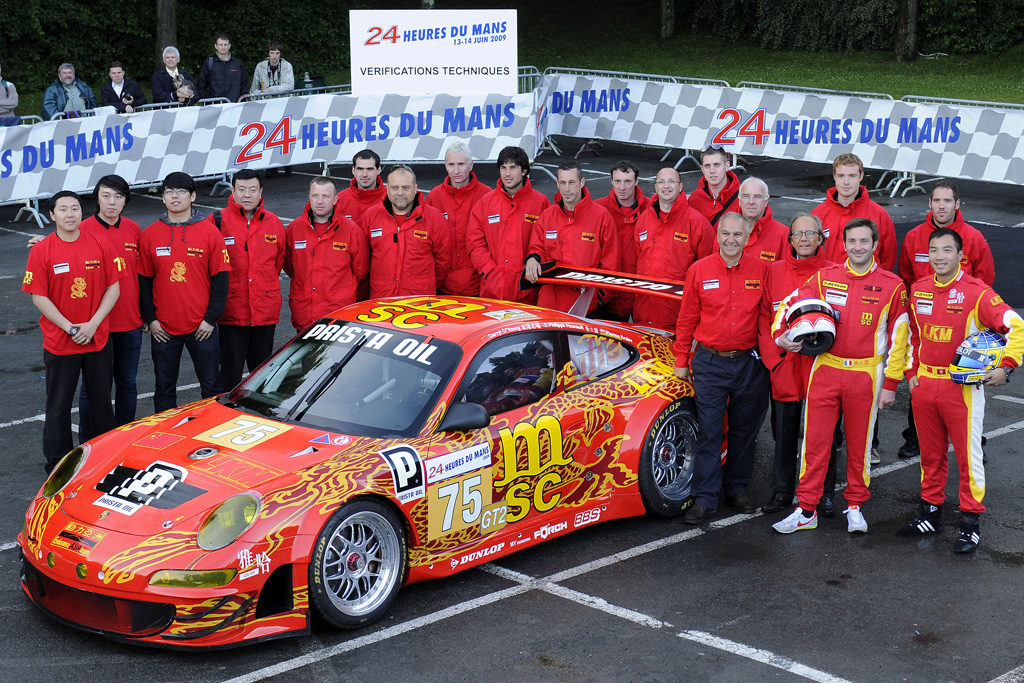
[[813, 91]]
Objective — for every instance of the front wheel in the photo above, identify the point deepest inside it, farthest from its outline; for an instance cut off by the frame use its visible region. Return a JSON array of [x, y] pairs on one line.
[[666, 463], [358, 564]]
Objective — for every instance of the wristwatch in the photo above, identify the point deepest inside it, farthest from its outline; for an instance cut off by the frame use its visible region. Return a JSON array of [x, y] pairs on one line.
[[1008, 370], [73, 330]]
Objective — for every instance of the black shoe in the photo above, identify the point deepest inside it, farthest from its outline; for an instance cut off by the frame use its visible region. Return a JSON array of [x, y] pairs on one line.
[[970, 533], [929, 521], [827, 507], [778, 502], [910, 449], [741, 503], [697, 514]]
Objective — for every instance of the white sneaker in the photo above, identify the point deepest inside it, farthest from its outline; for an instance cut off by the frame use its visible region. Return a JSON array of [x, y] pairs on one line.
[[855, 520], [876, 459], [796, 522]]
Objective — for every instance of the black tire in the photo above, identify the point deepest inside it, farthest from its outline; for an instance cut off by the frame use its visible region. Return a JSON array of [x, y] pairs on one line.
[[358, 564], [666, 463]]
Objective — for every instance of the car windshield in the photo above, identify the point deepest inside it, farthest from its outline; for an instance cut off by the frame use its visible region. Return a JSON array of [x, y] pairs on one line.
[[352, 378]]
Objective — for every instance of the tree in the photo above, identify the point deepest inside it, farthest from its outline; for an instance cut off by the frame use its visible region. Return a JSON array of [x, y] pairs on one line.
[[906, 31], [166, 26], [668, 19]]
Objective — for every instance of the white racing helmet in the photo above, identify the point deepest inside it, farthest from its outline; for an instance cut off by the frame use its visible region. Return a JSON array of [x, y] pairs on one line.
[[976, 357], [813, 322]]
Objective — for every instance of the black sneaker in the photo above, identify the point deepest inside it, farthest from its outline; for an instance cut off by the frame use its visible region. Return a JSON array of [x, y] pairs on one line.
[[929, 521], [970, 533]]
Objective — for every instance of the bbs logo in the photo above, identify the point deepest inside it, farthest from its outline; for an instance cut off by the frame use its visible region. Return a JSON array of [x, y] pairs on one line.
[[586, 517]]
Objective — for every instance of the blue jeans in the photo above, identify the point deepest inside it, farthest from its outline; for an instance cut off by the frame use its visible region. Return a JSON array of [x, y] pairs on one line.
[[167, 361], [127, 347]]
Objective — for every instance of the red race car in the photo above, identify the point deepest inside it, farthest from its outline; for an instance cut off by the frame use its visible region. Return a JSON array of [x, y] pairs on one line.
[[399, 440]]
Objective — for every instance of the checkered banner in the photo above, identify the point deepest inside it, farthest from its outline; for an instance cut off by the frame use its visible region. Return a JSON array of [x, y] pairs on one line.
[[144, 147], [973, 142]]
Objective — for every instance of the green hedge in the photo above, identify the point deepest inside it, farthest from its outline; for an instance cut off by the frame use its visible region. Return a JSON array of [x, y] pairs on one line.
[[970, 26]]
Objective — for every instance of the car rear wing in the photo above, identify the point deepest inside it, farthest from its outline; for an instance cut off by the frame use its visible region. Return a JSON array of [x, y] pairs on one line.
[[557, 273]]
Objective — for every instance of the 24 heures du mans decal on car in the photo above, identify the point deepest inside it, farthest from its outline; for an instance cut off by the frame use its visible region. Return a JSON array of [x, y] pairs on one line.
[[394, 441]]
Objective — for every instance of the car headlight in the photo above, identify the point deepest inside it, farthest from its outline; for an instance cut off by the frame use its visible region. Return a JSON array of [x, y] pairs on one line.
[[228, 521], [176, 578], [65, 471]]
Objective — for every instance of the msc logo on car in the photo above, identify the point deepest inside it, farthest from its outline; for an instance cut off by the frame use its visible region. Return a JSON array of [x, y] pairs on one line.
[[529, 483], [406, 471]]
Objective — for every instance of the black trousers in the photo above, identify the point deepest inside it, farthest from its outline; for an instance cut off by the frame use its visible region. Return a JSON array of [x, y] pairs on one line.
[[787, 451], [62, 372], [243, 346]]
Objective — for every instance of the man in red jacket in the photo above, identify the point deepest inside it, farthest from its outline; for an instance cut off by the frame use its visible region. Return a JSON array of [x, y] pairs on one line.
[[914, 264], [500, 227], [767, 239], [790, 371], [327, 256], [255, 241], [626, 203], [718, 190], [670, 237], [944, 310], [857, 375], [575, 231], [848, 200], [410, 242], [365, 190], [455, 198], [720, 310]]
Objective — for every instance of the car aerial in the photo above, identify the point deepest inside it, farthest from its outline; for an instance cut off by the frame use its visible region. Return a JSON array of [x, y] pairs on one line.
[[395, 441]]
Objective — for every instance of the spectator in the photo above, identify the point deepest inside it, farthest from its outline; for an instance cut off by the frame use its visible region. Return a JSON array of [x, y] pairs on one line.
[[626, 203], [8, 101], [718, 190], [576, 231], [767, 239], [120, 92], [67, 94], [73, 279], [171, 84], [256, 244], [183, 287], [501, 225], [455, 198], [410, 242], [222, 75], [327, 256], [273, 74]]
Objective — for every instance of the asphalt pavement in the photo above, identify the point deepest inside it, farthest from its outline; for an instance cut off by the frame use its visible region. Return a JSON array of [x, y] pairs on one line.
[[642, 599]]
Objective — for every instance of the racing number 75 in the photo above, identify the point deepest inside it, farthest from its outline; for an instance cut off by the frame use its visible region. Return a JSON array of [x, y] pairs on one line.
[[472, 501], [256, 431]]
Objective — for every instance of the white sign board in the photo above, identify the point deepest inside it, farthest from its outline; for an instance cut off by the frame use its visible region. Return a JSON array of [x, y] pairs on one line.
[[428, 52]]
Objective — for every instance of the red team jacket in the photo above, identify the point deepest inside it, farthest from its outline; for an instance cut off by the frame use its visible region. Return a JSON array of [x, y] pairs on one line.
[[455, 204], [769, 240], [713, 207], [325, 268], [625, 221], [834, 217], [667, 245], [585, 236], [498, 237], [353, 202], [124, 236], [256, 248], [411, 258], [976, 261]]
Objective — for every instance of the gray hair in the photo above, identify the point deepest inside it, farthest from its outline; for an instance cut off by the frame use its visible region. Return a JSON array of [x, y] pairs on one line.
[[66, 65], [170, 49], [458, 148], [803, 214], [754, 179]]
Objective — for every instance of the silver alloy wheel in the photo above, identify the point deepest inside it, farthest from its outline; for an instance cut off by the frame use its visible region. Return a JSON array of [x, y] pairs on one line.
[[672, 455], [362, 563]]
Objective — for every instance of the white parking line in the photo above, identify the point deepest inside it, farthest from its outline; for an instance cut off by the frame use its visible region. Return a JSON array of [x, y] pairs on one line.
[[763, 656], [19, 232], [42, 416], [1009, 399], [802, 199], [1015, 676]]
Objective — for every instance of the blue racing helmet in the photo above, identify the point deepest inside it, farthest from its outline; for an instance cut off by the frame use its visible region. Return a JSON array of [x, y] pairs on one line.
[[976, 357]]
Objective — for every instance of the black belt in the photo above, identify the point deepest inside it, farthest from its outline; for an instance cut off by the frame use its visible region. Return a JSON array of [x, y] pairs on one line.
[[723, 354]]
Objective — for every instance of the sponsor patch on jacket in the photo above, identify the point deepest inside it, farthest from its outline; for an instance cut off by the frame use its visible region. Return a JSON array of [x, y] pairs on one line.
[[752, 284], [871, 300], [551, 235], [643, 235], [681, 237], [376, 232], [955, 310], [995, 301], [163, 251], [422, 234], [59, 268], [835, 285], [230, 241], [195, 251], [921, 258], [271, 239], [923, 307], [767, 255], [872, 288], [530, 217], [937, 333], [131, 246], [340, 246], [710, 284], [300, 244], [494, 218], [923, 295], [92, 264], [588, 237], [834, 297]]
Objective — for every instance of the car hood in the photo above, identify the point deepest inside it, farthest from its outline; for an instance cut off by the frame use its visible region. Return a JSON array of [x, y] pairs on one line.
[[163, 471]]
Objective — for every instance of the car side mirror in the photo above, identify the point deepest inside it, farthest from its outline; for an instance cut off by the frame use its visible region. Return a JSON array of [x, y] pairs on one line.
[[463, 416]]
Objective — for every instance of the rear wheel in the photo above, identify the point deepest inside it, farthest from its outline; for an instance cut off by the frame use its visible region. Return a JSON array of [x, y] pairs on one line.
[[666, 463], [358, 564]]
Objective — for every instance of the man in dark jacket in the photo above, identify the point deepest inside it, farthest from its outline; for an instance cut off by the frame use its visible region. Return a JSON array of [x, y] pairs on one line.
[[171, 84], [67, 93], [120, 92], [222, 75]]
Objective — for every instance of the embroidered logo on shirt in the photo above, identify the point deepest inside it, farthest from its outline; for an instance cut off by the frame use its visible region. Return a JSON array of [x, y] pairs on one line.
[[227, 258], [195, 251], [710, 284], [869, 300], [937, 333], [955, 296], [923, 295], [835, 298], [835, 285], [178, 272], [92, 264], [530, 218], [300, 244], [422, 234], [643, 236], [131, 246], [271, 239], [588, 237], [752, 284], [921, 258], [340, 246], [681, 237], [78, 289], [866, 318], [872, 288], [995, 301], [445, 214], [767, 255], [28, 278], [59, 268]]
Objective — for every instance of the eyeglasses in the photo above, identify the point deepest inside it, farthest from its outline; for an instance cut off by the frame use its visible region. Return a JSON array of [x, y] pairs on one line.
[[800, 234], [175, 192], [663, 182], [745, 197]]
